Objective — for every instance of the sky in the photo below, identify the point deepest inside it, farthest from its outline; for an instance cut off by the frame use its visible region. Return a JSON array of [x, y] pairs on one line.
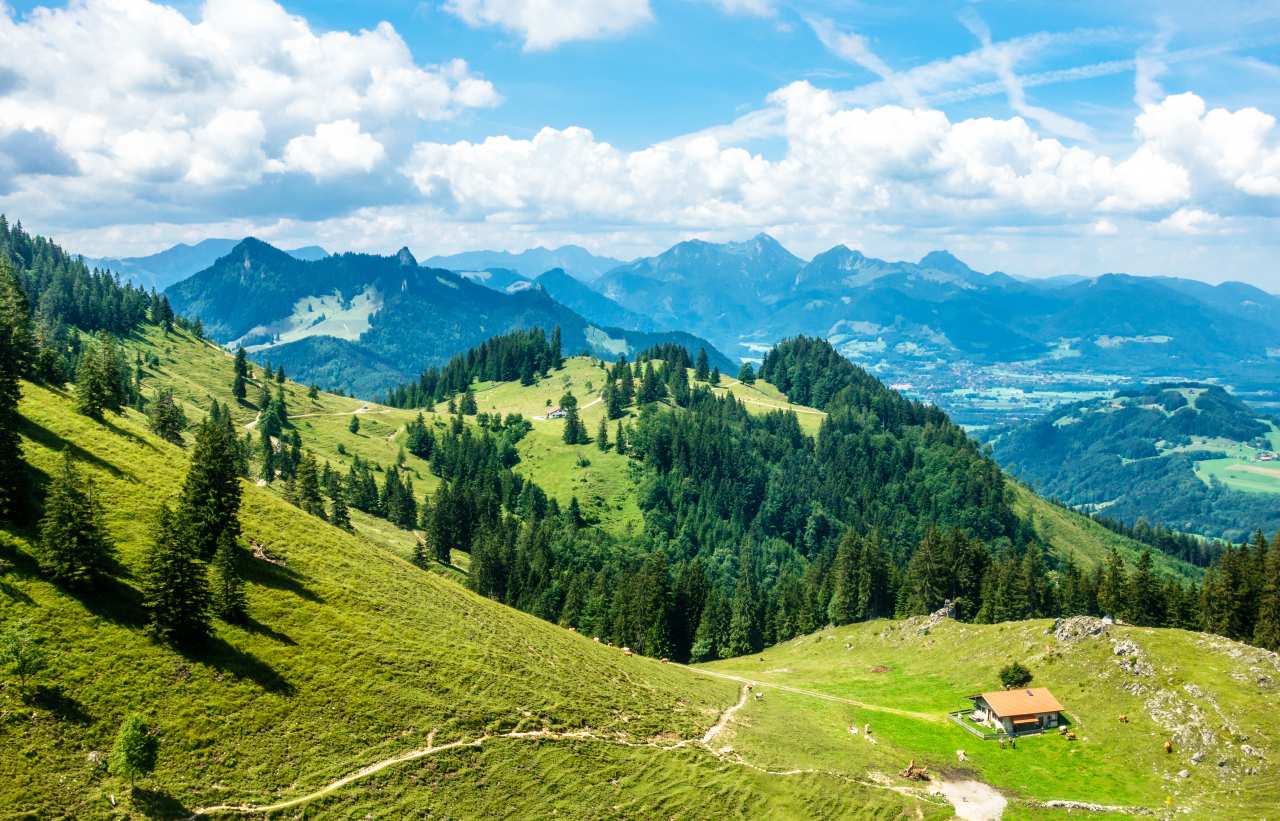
[[1036, 138]]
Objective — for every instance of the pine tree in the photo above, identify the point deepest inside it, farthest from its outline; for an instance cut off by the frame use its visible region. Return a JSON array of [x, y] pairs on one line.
[[98, 379], [15, 356], [135, 750], [844, 606], [175, 584], [744, 621], [165, 416], [556, 354], [339, 515], [602, 434], [1266, 632], [1146, 607], [280, 375], [467, 406], [307, 486], [210, 500], [1113, 588], [73, 547], [620, 440], [926, 575], [702, 370], [712, 636], [574, 431], [626, 384], [715, 376], [228, 598], [678, 384], [747, 374]]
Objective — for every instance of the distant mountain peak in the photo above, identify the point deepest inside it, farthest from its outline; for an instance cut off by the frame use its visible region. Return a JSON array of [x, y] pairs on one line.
[[406, 258], [945, 261]]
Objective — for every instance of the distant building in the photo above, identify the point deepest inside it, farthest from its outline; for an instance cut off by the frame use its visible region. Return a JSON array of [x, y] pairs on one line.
[[556, 413], [1017, 711]]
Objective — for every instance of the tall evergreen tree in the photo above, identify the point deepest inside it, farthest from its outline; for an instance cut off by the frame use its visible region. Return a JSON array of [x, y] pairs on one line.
[[1146, 605], [602, 434], [99, 378], [556, 354], [307, 486], [702, 370], [165, 416], [228, 597], [15, 360], [1266, 632], [747, 374], [574, 431], [74, 548], [175, 583], [210, 501]]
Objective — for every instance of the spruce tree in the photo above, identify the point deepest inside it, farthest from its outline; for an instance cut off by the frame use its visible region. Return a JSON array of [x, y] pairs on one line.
[[339, 515], [626, 385], [307, 486], [165, 416], [238, 388], [1145, 606], [715, 376], [73, 547], [98, 379], [844, 606], [602, 434], [556, 354], [15, 361], [354, 425], [620, 440], [468, 407], [1113, 588], [228, 583], [702, 370], [574, 432], [210, 499], [1266, 632], [175, 584], [747, 374]]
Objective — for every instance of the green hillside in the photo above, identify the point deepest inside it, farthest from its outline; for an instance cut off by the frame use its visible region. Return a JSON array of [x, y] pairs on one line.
[[355, 659], [901, 679]]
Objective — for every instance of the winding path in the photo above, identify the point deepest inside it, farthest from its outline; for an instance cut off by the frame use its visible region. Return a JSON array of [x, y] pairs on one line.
[[879, 708]]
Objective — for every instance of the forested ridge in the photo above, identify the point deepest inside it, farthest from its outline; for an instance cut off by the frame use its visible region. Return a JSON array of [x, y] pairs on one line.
[[754, 531], [1135, 456]]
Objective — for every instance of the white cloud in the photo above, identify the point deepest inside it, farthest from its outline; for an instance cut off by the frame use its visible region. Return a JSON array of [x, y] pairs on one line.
[[336, 148], [845, 164], [174, 106], [753, 8], [854, 48], [545, 24], [1191, 221], [1104, 228]]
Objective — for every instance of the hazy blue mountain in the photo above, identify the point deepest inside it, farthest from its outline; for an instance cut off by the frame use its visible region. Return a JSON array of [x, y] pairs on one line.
[[572, 292], [498, 279], [162, 269], [940, 312], [363, 322], [572, 258], [1150, 452]]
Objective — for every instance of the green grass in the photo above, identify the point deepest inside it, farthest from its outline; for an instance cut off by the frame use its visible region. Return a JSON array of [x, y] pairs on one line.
[[1241, 474], [1088, 543], [353, 654], [930, 674]]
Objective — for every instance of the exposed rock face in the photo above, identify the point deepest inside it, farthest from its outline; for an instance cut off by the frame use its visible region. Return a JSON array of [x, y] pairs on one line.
[[1131, 658], [1078, 627]]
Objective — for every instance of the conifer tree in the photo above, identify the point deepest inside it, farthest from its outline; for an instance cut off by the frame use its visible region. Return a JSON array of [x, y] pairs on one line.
[[339, 515], [711, 639], [175, 584], [354, 425], [238, 388], [210, 499], [267, 451], [1113, 588], [844, 607], [280, 374], [702, 370], [74, 548], [15, 354], [626, 384], [99, 378], [715, 375], [745, 635], [1266, 633], [574, 432], [467, 406], [556, 354], [678, 384], [1145, 601], [602, 434], [228, 583], [307, 486], [747, 374], [165, 416], [620, 440]]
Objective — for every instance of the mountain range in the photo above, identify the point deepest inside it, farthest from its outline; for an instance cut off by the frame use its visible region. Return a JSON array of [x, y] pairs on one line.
[[162, 269], [578, 261], [362, 322]]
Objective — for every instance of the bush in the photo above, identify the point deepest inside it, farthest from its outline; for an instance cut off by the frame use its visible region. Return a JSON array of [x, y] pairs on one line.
[[1015, 675]]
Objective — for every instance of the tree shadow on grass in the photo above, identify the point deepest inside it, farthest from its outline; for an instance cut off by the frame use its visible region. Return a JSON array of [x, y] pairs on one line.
[[60, 703], [54, 442], [278, 577], [224, 657], [113, 600], [158, 804], [252, 625]]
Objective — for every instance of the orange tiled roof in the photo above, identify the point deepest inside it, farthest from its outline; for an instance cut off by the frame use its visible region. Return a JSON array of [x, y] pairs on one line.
[[1022, 702]]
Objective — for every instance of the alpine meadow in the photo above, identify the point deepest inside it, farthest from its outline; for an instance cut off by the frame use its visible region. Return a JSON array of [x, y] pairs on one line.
[[677, 471]]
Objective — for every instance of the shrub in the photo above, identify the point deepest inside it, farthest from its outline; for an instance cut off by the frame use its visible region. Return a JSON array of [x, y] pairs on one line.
[[1015, 675]]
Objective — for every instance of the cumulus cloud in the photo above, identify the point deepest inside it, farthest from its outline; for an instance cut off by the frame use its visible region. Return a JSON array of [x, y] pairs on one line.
[[336, 148], [545, 24], [753, 8], [244, 90], [847, 164], [1191, 221]]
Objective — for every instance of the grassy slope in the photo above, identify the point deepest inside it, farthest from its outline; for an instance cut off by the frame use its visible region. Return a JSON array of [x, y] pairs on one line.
[[353, 653], [929, 674]]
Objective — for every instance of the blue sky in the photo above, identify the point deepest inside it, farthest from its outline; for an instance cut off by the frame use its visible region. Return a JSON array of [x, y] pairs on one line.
[[1033, 137]]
